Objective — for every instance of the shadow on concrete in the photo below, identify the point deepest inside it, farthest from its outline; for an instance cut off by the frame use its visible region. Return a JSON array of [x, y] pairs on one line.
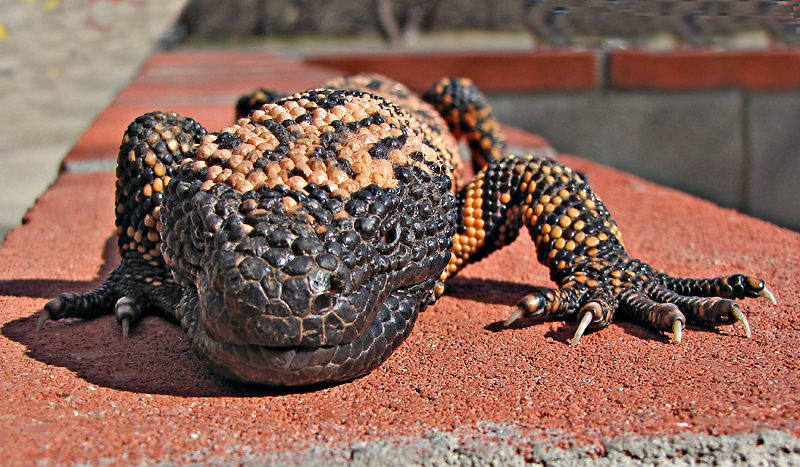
[[487, 290], [157, 359], [566, 329]]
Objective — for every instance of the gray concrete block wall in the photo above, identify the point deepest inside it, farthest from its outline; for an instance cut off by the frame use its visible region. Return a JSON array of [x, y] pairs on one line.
[[773, 183], [737, 149]]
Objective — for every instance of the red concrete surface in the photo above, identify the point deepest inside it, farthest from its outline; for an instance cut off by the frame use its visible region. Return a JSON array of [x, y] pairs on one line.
[[558, 70], [695, 69], [78, 392]]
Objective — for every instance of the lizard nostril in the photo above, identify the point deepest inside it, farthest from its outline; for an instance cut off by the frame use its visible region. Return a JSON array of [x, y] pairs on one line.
[[341, 284]]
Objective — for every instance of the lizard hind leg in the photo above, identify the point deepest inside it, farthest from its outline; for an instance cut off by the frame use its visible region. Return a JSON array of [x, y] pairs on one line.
[[255, 100], [579, 242], [467, 112]]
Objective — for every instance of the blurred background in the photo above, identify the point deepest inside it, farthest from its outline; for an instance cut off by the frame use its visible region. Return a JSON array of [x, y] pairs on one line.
[[703, 96]]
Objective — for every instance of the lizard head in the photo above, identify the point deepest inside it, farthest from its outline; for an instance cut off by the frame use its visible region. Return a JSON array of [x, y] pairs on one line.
[[288, 271]]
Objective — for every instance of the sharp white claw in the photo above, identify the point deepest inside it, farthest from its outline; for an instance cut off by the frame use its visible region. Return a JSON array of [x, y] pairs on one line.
[[44, 316], [586, 319], [514, 316], [768, 295], [126, 311], [677, 330], [737, 313]]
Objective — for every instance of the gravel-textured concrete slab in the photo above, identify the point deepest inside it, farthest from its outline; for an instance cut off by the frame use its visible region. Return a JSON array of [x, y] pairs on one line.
[[61, 63], [77, 392]]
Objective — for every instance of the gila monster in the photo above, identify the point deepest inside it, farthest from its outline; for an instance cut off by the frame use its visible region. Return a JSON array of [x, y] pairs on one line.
[[299, 245]]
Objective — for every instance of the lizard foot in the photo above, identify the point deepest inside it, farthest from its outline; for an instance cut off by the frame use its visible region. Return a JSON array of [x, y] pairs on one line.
[[133, 289], [71, 305], [654, 300]]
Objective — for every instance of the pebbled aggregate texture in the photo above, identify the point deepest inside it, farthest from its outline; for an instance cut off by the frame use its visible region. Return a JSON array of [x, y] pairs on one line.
[[506, 447]]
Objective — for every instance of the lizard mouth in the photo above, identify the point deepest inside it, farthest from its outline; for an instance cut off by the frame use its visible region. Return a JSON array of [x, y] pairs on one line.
[[297, 366], [389, 318]]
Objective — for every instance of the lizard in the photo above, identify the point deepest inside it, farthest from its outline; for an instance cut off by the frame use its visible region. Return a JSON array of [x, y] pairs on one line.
[[299, 244]]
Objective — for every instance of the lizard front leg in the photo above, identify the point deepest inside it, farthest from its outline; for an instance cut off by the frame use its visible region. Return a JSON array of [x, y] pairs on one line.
[[151, 148], [579, 242], [575, 236]]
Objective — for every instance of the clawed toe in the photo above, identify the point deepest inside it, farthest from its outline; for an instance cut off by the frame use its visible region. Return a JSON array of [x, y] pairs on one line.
[[55, 308], [44, 316], [514, 316], [127, 311], [739, 315], [534, 304], [677, 330], [552, 303], [586, 320], [768, 295]]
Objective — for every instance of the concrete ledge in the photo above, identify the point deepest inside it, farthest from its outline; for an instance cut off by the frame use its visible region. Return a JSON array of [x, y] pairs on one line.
[[542, 71], [702, 69], [566, 69], [77, 393]]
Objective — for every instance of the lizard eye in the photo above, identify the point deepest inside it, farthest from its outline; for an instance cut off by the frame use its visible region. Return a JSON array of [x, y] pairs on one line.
[[391, 235]]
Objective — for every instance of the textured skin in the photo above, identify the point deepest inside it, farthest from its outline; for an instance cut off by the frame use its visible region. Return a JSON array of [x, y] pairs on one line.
[[299, 244]]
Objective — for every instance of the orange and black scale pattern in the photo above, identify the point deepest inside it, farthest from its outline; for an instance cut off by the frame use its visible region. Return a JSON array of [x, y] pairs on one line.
[[299, 244]]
